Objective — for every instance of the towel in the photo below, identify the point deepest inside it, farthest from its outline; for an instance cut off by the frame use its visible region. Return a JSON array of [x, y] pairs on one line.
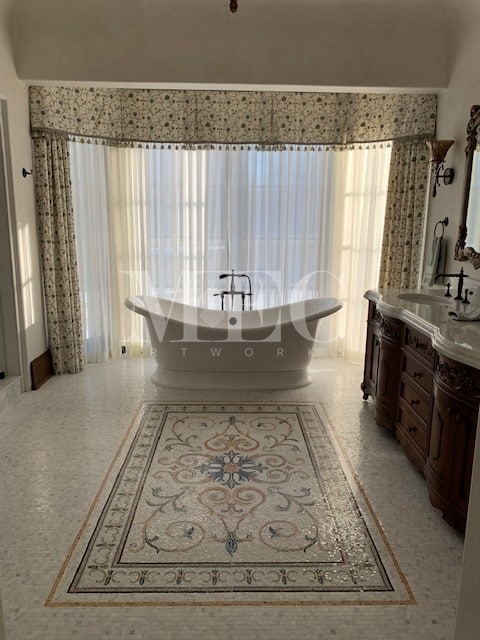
[[435, 263]]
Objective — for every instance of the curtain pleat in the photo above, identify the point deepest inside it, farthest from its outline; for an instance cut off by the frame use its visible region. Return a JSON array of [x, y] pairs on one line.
[[58, 254], [405, 215]]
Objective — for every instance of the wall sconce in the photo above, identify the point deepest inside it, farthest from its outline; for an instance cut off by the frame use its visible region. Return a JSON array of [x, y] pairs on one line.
[[439, 150]]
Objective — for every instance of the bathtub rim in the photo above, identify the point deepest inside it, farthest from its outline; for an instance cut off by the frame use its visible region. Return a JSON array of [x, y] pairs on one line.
[[329, 305]]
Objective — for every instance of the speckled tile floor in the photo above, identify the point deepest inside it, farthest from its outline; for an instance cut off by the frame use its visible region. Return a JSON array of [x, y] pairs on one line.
[[56, 445]]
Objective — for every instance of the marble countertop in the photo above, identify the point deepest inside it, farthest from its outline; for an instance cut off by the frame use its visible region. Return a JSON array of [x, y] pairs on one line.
[[454, 339]]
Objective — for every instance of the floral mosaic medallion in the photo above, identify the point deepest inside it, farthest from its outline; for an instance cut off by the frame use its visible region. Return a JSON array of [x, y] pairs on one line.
[[230, 504]]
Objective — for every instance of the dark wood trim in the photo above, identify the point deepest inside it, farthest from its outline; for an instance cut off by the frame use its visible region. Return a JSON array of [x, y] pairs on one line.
[[41, 369]]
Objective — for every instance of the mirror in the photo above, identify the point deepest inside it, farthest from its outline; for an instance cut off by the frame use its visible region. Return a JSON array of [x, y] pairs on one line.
[[468, 240]]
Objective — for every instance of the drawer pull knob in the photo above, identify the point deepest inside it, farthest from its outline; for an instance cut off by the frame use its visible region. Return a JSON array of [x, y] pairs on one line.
[[417, 374], [412, 429]]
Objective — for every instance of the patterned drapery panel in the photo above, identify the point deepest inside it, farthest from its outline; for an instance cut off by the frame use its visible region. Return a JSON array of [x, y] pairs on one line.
[[405, 215], [128, 116], [58, 253]]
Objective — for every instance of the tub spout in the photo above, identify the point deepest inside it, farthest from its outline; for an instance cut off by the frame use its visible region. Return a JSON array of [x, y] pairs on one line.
[[232, 277]]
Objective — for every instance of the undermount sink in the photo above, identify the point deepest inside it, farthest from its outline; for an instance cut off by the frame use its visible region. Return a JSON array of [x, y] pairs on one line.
[[425, 298]]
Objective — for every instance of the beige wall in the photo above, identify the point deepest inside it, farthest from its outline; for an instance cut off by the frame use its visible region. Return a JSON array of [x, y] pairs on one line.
[[27, 262], [364, 43], [453, 113]]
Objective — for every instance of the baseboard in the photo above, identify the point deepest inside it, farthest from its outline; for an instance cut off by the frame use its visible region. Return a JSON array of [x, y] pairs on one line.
[[41, 369]]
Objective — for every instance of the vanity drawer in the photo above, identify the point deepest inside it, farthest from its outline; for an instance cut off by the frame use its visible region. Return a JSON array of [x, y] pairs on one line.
[[416, 399], [412, 433], [420, 345], [418, 372]]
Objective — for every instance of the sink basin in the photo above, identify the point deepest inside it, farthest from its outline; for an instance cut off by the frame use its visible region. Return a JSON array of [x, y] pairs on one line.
[[424, 298]]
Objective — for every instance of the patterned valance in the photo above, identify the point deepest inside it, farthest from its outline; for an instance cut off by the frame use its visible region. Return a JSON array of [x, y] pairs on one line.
[[126, 116]]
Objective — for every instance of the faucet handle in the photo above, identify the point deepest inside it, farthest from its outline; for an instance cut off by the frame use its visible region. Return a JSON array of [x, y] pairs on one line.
[[467, 293], [447, 293]]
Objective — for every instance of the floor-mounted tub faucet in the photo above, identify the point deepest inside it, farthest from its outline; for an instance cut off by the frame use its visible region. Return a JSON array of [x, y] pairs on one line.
[[461, 277], [232, 292]]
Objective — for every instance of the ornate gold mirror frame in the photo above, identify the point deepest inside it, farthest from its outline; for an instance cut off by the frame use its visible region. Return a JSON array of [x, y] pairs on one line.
[[462, 252]]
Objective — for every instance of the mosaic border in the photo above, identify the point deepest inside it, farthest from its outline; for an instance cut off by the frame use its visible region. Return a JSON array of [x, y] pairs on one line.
[[397, 593]]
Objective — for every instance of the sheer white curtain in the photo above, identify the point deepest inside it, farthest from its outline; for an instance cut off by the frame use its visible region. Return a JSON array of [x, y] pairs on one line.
[[167, 222], [361, 200]]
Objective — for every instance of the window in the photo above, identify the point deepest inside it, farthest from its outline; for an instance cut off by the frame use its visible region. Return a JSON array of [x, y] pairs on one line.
[[167, 222]]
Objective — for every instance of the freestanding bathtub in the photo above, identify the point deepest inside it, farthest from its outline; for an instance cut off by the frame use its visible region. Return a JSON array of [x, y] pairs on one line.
[[199, 348]]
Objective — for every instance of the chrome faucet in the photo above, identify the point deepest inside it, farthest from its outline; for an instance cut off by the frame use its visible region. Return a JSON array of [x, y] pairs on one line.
[[232, 292], [461, 277]]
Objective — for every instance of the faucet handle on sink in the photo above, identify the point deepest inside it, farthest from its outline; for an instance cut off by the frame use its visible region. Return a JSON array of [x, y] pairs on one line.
[[467, 293]]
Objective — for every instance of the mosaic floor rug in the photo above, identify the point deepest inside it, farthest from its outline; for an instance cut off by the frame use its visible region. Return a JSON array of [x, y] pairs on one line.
[[230, 504]]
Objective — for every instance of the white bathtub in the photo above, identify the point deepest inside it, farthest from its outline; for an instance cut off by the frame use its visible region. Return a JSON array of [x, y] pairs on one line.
[[211, 349]]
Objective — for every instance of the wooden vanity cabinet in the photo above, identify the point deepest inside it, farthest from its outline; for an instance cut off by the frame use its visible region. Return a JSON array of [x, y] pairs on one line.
[[372, 352], [415, 396], [382, 366], [452, 438], [431, 403]]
